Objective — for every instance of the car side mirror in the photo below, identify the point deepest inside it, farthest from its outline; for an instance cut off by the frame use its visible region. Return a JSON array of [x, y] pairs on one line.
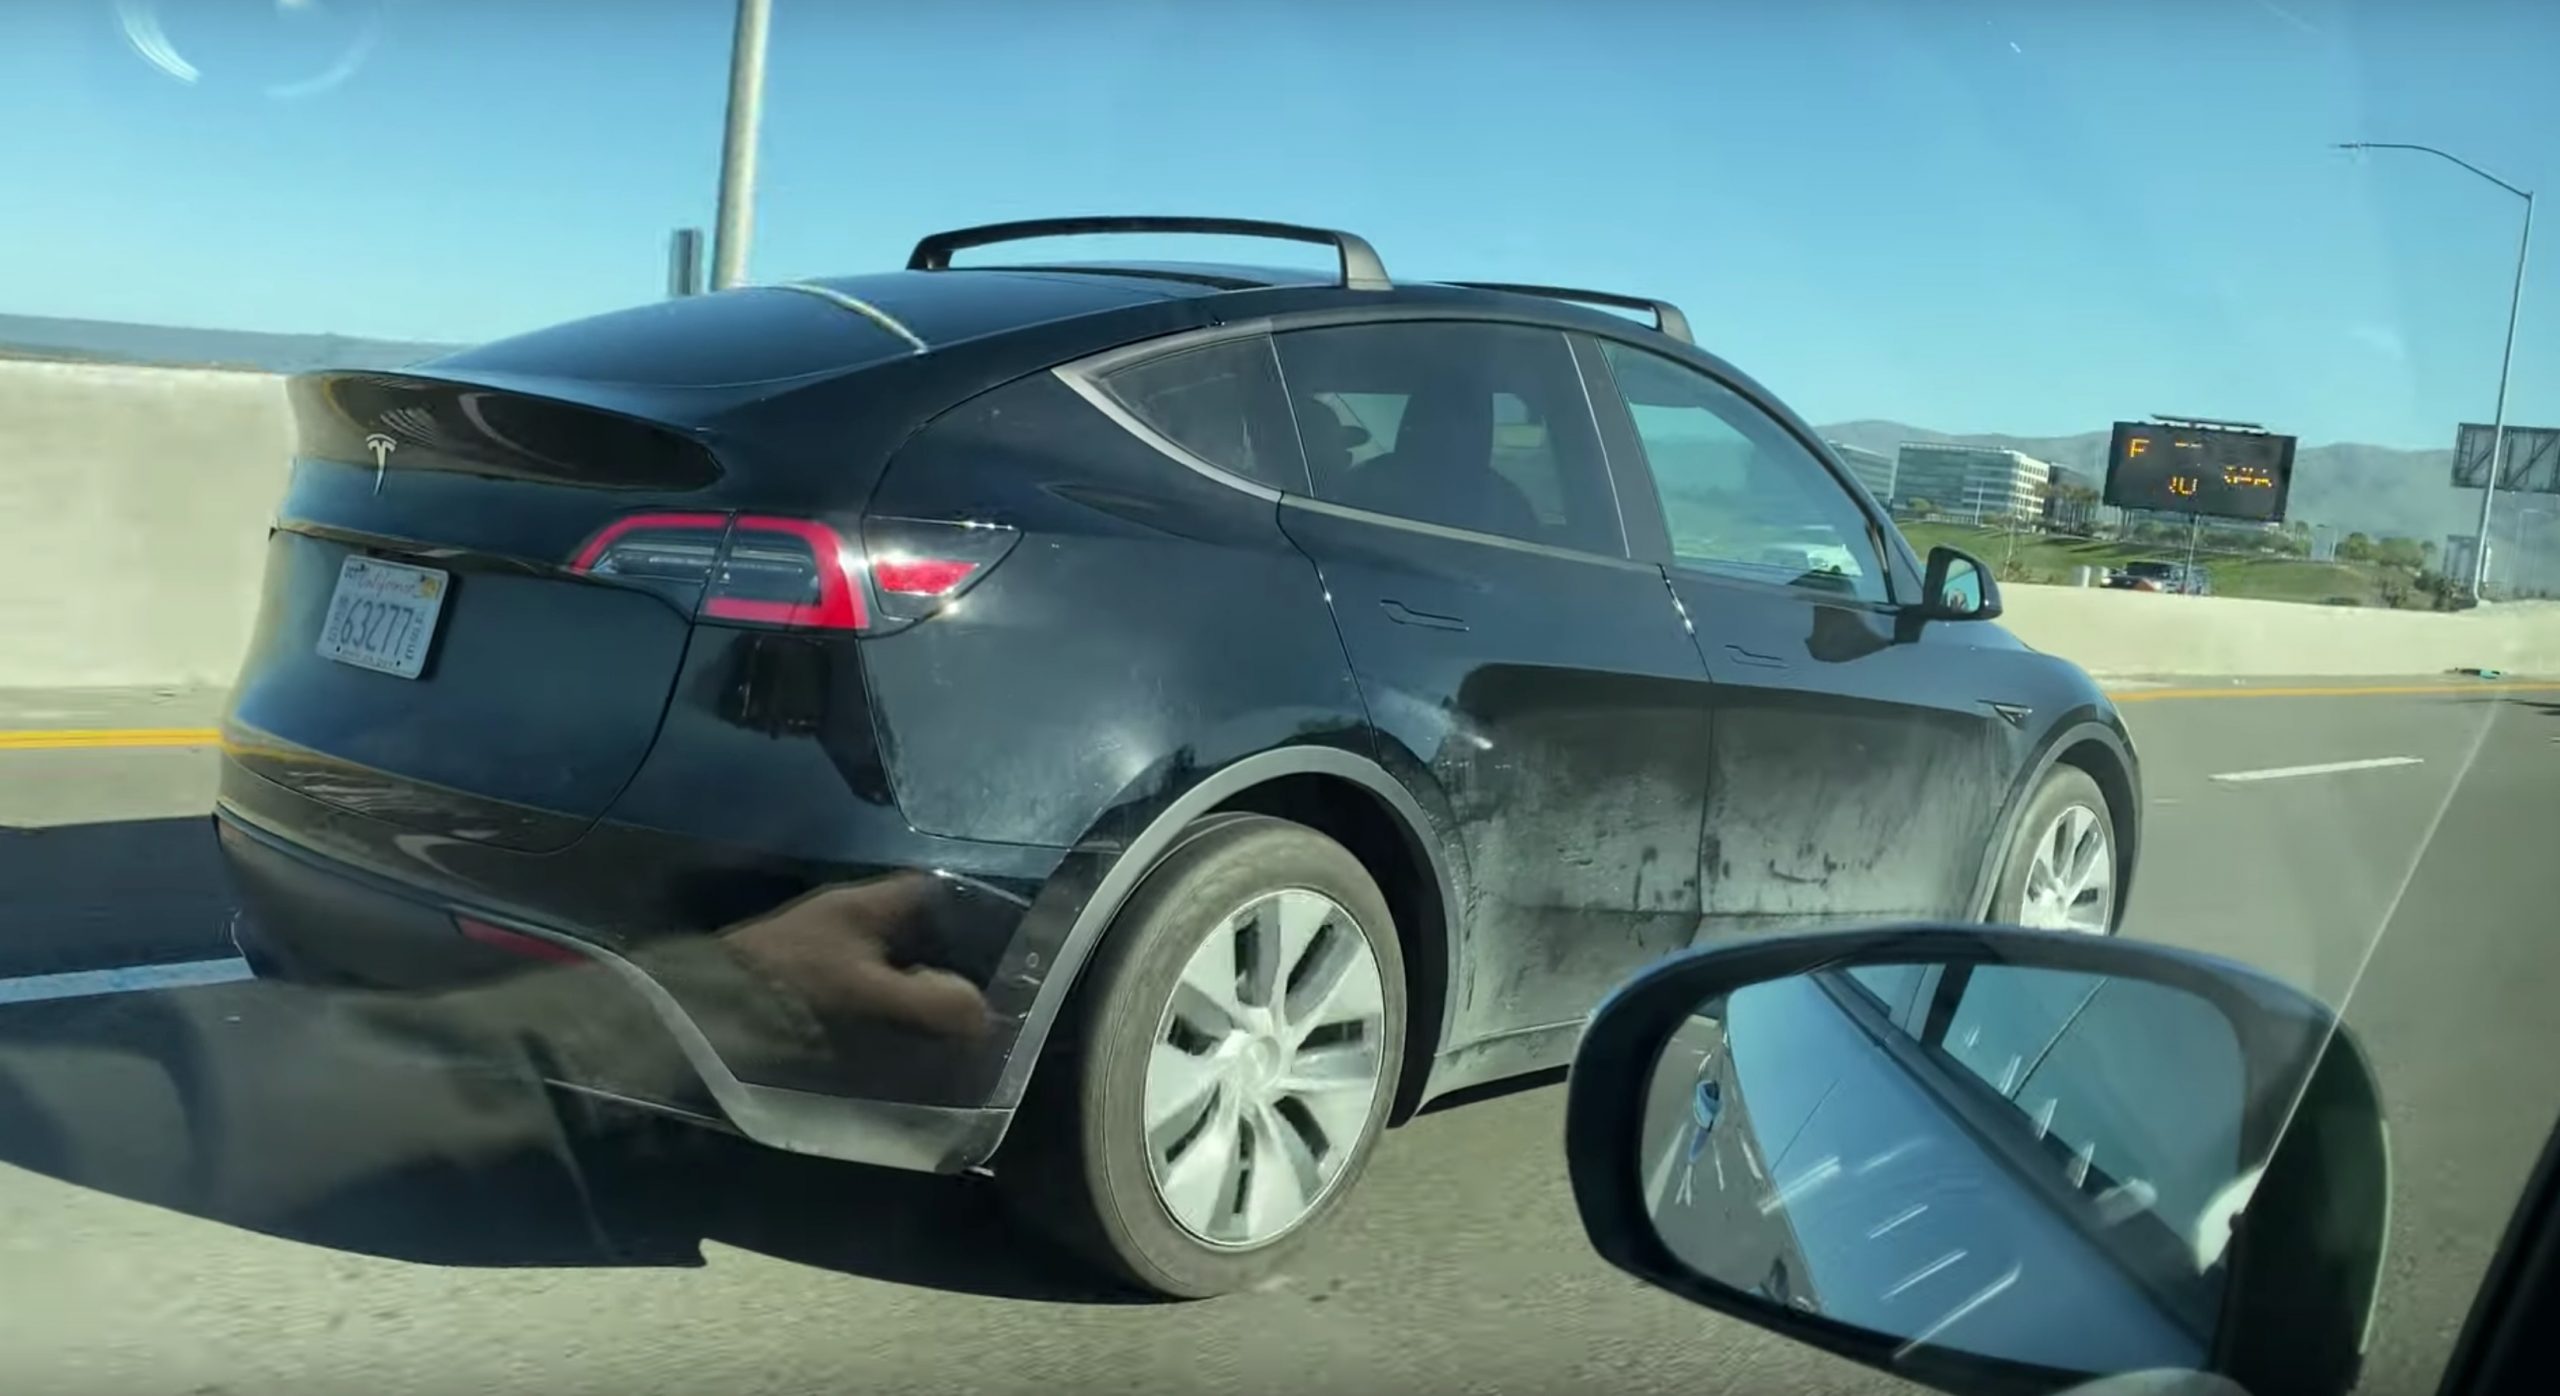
[[1990, 1160], [1958, 587]]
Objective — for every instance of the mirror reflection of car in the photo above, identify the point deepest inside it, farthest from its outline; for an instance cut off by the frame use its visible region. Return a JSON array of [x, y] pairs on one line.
[[2007, 1079], [1991, 1159], [1959, 586]]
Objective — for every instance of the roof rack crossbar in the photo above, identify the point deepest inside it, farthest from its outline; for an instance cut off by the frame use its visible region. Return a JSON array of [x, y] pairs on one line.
[[1361, 269], [1666, 316]]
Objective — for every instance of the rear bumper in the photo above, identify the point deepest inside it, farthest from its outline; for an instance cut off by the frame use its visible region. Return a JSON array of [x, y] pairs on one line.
[[672, 1022]]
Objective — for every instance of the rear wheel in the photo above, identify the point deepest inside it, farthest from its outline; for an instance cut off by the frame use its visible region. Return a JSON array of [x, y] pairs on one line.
[[1231, 1061], [2060, 872]]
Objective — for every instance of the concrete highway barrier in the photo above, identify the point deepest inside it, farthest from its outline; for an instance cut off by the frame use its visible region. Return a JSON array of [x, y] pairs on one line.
[[2137, 632], [134, 504]]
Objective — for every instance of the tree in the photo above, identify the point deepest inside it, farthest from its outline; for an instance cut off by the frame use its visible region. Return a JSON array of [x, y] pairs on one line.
[[2400, 552], [2355, 547], [1918, 505]]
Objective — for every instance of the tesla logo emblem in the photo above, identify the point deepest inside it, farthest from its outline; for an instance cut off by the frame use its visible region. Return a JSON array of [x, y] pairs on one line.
[[382, 446]]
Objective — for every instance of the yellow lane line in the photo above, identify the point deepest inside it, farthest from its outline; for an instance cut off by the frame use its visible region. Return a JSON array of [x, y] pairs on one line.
[[86, 739], [2379, 690]]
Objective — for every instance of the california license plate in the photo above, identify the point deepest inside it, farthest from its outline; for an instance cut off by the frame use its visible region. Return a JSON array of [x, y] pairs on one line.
[[383, 615]]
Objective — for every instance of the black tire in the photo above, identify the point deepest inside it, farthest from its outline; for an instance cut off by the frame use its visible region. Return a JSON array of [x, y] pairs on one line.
[[2062, 787], [1077, 1166]]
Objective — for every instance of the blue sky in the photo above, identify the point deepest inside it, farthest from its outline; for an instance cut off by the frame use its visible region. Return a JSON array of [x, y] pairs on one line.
[[1973, 215]]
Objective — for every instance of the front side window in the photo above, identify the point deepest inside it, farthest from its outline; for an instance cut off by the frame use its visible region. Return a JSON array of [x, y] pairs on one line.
[[1741, 497], [1220, 403], [1476, 426]]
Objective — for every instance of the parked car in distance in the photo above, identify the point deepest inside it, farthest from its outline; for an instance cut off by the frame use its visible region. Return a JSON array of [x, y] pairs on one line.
[[1284, 697], [2175, 577]]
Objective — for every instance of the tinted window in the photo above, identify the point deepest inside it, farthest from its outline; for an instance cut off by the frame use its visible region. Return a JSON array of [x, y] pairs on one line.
[[1741, 496], [1220, 403], [1476, 426]]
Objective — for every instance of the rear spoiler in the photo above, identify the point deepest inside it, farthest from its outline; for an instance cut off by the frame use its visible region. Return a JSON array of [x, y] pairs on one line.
[[404, 421]]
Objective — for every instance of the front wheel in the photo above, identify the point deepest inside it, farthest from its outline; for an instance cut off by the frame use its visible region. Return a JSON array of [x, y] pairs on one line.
[[2061, 868], [1233, 1060]]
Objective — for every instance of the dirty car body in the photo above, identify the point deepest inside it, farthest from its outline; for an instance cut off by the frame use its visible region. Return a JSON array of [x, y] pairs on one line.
[[1009, 575]]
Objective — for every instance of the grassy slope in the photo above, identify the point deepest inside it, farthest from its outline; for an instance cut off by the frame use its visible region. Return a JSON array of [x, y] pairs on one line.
[[2042, 559]]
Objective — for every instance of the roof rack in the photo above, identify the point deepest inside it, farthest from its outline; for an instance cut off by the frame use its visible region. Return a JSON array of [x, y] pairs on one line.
[[1361, 269], [1666, 316]]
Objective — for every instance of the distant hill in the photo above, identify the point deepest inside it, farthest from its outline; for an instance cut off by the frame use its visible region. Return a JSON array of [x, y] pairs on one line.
[[2357, 488], [113, 342]]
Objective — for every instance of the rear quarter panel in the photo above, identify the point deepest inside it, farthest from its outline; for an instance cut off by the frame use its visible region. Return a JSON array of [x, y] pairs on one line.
[[1152, 625]]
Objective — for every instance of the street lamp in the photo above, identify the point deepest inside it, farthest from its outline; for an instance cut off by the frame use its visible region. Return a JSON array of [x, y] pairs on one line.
[[2515, 302], [736, 220]]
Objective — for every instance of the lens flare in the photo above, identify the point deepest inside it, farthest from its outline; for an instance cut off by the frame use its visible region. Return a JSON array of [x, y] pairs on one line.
[[285, 49]]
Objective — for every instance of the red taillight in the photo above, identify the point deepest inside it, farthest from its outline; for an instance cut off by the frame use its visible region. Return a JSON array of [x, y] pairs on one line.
[[765, 569], [515, 942], [920, 576], [795, 572], [758, 568], [654, 545], [919, 566]]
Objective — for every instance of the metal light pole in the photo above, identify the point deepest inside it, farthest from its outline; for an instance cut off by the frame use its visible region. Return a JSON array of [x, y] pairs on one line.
[[738, 147], [684, 262], [2506, 360]]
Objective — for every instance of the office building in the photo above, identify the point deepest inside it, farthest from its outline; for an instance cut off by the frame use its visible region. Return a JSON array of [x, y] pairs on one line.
[[1984, 481], [1874, 469]]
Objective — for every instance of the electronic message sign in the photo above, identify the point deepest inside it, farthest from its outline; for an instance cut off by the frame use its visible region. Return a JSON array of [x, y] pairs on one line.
[[2200, 470]]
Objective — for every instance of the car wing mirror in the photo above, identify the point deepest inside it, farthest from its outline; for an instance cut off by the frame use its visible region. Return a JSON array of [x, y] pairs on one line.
[[1958, 586], [1991, 1160]]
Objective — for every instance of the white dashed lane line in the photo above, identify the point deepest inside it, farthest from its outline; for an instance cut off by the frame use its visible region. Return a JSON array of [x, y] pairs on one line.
[[89, 983], [2370, 763]]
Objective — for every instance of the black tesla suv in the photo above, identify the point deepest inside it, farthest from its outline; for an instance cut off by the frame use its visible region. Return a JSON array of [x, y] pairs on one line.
[[1137, 728]]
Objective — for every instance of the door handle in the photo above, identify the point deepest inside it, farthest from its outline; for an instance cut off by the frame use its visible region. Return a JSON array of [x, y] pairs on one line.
[[1754, 659], [1402, 614]]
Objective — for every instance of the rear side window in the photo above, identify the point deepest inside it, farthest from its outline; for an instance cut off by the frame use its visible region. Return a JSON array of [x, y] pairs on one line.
[[1220, 402], [1476, 426]]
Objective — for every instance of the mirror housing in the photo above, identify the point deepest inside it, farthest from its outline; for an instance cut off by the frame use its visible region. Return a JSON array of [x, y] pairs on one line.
[[1958, 586], [2294, 1276]]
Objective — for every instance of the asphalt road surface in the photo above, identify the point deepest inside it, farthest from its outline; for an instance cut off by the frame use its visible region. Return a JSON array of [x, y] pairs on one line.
[[157, 1235]]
